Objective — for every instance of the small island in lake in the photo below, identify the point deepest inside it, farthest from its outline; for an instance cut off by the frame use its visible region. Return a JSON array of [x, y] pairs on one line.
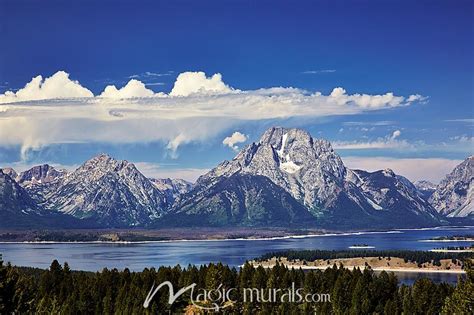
[[361, 246], [452, 238]]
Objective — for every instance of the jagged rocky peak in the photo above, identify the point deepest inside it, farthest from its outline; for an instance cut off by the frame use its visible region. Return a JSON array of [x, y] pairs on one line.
[[40, 174], [103, 165], [105, 162], [275, 137], [10, 172], [293, 148], [290, 150], [454, 196], [109, 191], [281, 138]]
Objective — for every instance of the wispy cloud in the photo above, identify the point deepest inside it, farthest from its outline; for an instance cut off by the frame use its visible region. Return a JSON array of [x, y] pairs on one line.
[[418, 98], [318, 71], [154, 83], [462, 120], [369, 123], [377, 144], [462, 144], [388, 142], [149, 74]]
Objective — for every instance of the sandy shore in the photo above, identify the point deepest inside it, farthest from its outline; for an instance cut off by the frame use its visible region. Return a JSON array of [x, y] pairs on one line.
[[452, 250], [447, 241], [394, 264]]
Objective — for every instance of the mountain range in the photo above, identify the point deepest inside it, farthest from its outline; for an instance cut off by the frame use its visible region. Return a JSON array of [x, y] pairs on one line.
[[286, 179]]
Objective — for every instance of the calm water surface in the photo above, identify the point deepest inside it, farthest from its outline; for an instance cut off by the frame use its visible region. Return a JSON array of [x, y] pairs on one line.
[[93, 257]]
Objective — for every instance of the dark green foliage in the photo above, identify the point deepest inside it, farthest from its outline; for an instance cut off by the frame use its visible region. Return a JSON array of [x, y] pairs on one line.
[[239, 200], [461, 300], [62, 291]]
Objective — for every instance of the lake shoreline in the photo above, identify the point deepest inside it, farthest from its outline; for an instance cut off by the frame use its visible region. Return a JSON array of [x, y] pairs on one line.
[[295, 236], [421, 270], [380, 263]]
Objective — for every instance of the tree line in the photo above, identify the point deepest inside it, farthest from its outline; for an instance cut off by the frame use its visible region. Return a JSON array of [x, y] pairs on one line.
[[59, 290]]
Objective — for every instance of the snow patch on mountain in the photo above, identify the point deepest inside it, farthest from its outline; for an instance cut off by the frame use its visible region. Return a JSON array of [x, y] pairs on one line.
[[373, 204]]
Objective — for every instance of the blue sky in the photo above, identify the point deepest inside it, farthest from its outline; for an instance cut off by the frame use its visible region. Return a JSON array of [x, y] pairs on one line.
[[366, 47]]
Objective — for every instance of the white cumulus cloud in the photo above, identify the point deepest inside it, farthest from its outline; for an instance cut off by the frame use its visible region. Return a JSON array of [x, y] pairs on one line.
[[134, 88], [57, 86], [189, 83], [235, 138], [340, 96]]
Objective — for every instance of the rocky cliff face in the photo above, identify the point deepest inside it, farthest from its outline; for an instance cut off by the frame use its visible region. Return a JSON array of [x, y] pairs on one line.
[[172, 188], [40, 174], [454, 196], [10, 172]]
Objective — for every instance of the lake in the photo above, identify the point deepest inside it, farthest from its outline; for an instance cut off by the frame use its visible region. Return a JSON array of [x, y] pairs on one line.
[[96, 256]]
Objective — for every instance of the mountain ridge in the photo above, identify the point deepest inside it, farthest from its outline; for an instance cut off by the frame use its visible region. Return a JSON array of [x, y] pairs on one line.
[[286, 179]]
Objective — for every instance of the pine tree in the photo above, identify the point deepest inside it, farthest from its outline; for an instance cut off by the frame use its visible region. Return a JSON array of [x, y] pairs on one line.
[[462, 299]]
